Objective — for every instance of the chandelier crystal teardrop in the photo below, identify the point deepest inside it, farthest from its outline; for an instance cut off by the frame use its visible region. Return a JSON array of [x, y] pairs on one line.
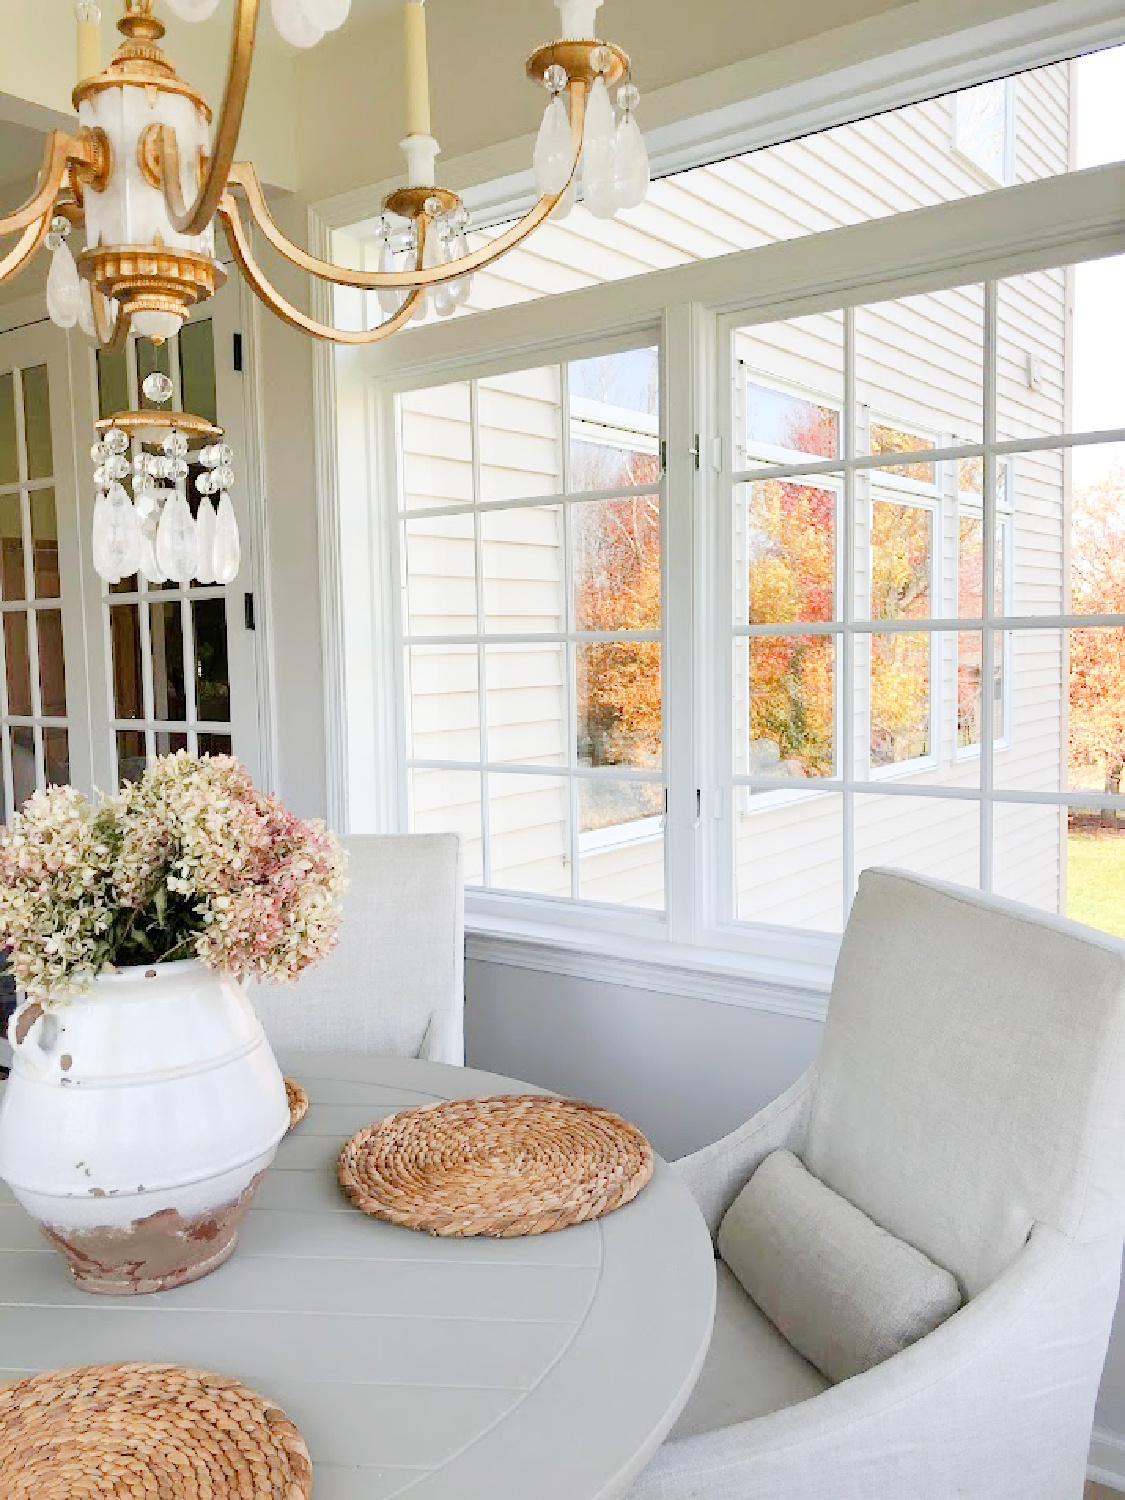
[[153, 531], [147, 173]]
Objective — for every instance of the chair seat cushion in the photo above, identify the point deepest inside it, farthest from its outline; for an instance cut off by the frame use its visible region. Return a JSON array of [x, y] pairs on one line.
[[750, 1370], [843, 1291]]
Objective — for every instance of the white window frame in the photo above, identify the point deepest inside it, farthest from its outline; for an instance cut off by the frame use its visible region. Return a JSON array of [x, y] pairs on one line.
[[1051, 222], [900, 489], [1008, 168], [1005, 523], [772, 453], [492, 904]]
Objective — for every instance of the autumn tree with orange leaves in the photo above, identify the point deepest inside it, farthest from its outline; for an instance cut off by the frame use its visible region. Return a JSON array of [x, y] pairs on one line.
[[617, 587]]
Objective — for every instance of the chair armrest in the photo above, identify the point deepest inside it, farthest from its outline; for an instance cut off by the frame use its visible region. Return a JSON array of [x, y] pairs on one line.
[[995, 1404], [716, 1175], [444, 1041]]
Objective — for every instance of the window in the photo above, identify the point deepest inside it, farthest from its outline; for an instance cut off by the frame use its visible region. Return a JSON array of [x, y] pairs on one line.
[[879, 623], [530, 522], [983, 128]]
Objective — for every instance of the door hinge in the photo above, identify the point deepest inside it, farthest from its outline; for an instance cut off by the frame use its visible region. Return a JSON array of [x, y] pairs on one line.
[[248, 611], [696, 449], [663, 455], [236, 355]]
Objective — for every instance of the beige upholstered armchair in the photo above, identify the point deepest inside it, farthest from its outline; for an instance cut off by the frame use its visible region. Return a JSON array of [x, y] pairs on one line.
[[395, 984], [969, 1098]]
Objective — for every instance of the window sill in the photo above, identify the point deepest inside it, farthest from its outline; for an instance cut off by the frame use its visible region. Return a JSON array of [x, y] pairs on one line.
[[783, 972]]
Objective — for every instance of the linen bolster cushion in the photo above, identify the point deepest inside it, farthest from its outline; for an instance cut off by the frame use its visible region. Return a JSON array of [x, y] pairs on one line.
[[843, 1292]]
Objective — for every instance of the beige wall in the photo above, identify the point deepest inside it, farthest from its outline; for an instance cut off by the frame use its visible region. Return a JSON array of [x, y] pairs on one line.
[[285, 379], [38, 66]]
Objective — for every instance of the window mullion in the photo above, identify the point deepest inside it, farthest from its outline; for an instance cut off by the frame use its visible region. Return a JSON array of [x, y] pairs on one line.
[[482, 660], [988, 586], [686, 355], [570, 657], [846, 715]]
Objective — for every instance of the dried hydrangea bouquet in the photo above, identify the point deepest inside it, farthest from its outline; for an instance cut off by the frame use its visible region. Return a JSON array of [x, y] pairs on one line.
[[145, 1103]]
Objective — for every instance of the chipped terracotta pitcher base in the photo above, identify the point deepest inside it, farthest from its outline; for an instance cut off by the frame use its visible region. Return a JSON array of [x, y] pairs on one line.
[[153, 1254]]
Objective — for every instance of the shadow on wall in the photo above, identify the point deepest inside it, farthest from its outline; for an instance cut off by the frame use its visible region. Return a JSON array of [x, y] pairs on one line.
[[686, 1071]]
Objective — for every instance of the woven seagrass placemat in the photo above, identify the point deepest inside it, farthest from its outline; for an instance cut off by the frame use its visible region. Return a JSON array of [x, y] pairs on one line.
[[149, 1432], [298, 1102], [505, 1166]]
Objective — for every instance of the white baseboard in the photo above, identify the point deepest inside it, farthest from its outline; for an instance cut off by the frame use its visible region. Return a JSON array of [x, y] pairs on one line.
[[1107, 1459]]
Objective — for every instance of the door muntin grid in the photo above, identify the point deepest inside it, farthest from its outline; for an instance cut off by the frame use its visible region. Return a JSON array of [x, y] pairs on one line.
[[36, 746]]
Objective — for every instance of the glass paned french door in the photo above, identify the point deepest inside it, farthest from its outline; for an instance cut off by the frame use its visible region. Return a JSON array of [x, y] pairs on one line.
[[179, 660], [42, 689]]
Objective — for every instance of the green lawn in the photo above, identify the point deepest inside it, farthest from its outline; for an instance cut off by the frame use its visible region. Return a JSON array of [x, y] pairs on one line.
[[1095, 880]]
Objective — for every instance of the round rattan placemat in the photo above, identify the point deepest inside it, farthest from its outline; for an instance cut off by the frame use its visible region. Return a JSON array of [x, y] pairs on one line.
[[298, 1102], [505, 1166], [147, 1432]]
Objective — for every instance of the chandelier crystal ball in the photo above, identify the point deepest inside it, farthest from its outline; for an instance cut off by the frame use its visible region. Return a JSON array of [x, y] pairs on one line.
[[149, 170]]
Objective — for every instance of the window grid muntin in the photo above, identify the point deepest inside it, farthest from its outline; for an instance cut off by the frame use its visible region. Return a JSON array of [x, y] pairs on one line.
[[848, 629], [571, 769], [147, 594]]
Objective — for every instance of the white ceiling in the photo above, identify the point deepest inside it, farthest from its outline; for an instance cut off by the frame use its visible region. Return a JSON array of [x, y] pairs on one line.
[[364, 9]]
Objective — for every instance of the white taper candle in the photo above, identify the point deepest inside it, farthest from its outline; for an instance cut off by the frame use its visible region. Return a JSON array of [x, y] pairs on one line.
[[417, 70]]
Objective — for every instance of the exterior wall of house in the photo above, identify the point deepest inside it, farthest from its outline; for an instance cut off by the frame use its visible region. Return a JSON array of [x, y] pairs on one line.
[[919, 365]]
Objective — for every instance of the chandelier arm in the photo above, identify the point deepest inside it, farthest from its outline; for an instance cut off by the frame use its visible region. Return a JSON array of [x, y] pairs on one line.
[[111, 337], [244, 176], [61, 149], [20, 253], [262, 288], [196, 218]]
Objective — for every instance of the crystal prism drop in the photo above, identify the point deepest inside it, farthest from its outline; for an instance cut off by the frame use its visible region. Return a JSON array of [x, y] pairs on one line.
[[193, 10], [631, 175], [433, 255], [117, 536], [63, 288], [297, 22], [389, 300], [177, 549], [553, 152], [86, 310], [157, 387], [205, 537], [599, 154], [333, 13], [228, 548], [148, 564], [103, 563], [563, 207]]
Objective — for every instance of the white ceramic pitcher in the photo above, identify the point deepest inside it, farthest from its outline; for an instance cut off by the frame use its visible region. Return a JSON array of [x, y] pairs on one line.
[[138, 1121]]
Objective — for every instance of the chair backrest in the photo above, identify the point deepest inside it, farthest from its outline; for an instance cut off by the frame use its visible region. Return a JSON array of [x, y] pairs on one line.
[[397, 971], [972, 1077]]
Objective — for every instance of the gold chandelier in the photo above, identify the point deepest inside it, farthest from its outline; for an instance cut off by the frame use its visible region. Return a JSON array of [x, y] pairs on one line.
[[148, 172], [146, 176]]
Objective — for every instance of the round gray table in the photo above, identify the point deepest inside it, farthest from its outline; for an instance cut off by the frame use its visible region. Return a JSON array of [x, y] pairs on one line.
[[549, 1367]]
